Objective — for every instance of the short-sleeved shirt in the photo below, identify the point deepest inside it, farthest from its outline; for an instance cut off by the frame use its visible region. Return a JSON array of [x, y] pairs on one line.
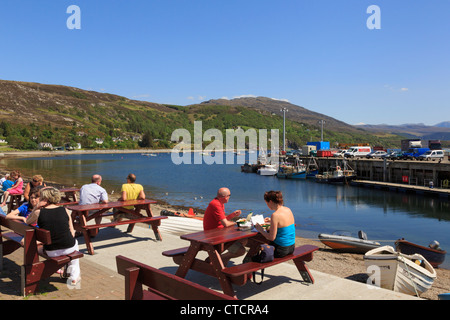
[[7, 184], [215, 212], [25, 210], [132, 190], [92, 193]]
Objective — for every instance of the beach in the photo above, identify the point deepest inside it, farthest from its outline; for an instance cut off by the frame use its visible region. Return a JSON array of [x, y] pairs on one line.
[[344, 265]]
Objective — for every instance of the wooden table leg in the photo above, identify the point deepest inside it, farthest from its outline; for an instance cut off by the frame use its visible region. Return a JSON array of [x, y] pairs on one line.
[[304, 271], [87, 237], [218, 266], [188, 259]]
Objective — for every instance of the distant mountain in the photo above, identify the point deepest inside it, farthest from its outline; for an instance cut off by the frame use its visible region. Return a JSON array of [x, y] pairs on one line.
[[440, 131], [295, 112], [445, 124]]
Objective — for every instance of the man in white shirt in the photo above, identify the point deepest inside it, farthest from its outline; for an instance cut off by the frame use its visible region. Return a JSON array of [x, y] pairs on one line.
[[93, 193]]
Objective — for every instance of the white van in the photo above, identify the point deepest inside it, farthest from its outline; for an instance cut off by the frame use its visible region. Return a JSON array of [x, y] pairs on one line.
[[357, 151], [432, 154]]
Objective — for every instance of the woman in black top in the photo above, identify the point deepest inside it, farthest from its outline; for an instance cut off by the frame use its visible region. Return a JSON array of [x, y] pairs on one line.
[[56, 219]]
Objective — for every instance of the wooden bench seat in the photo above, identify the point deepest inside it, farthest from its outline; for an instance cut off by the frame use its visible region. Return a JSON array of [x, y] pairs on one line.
[[161, 285], [239, 274], [116, 223], [176, 254], [33, 270], [62, 260]]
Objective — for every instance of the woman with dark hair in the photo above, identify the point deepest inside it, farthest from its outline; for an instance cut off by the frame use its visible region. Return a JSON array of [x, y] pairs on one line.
[[282, 225], [22, 212]]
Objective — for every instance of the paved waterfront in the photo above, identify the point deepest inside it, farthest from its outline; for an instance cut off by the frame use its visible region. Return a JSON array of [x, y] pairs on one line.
[[100, 281]]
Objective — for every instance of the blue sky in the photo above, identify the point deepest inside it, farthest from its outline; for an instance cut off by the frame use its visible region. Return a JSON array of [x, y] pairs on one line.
[[318, 54]]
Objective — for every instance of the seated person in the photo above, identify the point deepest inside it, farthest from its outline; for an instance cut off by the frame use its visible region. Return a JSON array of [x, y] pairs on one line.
[[3, 179], [93, 193], [130, 191], [36, 181], [8, 183], [22, 213], [16, 188], [282, 225], [26, 208], [215, 217], [50, 216]]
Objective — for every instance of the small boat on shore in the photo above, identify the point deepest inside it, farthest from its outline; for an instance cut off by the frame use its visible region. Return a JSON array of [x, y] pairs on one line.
[[433, 253], [409, 274], [347, 243]]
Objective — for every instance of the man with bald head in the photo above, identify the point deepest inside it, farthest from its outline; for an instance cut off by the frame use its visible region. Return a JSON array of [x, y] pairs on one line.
[[215, 217], [215, 213], [93, 192]]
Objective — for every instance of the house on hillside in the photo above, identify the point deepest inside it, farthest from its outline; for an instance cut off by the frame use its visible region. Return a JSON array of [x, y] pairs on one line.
[[45, 145]]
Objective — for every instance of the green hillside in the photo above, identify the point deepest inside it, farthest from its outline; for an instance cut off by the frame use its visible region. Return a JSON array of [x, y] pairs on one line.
[[32, 113]]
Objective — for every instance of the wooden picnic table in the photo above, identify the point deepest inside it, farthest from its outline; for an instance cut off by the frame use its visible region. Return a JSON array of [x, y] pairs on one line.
[[82, 214], [70, 196], [215, 241]]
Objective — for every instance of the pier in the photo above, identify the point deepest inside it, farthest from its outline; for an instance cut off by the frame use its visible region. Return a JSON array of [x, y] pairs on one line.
[[397, 187], [411, 173]]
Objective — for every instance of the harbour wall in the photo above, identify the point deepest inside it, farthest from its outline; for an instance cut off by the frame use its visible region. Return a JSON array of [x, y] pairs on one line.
[[413, 172]]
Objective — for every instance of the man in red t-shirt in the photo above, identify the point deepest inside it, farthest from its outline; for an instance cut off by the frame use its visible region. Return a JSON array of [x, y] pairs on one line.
[[215, 213], [215, 217]]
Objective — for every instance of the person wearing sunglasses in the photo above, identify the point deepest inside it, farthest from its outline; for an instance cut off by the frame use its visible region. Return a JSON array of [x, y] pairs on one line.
[[215, 217], [36, 181]]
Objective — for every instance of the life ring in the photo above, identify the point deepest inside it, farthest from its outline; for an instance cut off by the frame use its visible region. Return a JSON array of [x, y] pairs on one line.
[[338, 168]]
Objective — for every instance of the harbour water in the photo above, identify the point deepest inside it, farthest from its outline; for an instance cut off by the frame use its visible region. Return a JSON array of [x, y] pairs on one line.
[[318, 208]]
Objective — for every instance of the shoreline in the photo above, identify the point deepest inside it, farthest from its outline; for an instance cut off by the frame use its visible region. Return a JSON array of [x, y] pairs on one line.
[[344, 265]]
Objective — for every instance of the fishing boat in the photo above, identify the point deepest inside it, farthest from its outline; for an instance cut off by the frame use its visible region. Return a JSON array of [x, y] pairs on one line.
[[346, 243], [312, 169], [292, 171], [249, 168], [409, 274], [337, 174], [267, 170], [433, 253]]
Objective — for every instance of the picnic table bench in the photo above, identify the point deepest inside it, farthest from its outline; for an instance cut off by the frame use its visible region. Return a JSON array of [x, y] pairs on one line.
[[69, 196], [81, 214], [15, 200], [161, 285], [239, 274], [33, 269], [215, 241]]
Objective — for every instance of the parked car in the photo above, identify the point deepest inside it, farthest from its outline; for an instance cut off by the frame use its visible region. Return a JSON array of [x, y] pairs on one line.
[[432, 155], [414, 153], [340, 153], [376, 154], [394, 155]]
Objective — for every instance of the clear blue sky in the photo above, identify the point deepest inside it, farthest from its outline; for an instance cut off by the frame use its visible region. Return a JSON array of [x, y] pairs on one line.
[[318, 54]]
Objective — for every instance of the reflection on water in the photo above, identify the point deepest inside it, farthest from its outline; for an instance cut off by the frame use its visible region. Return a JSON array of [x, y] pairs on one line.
[[318, 207]]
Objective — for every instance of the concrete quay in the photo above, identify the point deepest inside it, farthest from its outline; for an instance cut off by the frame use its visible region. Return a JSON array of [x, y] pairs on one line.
[[100, 280]]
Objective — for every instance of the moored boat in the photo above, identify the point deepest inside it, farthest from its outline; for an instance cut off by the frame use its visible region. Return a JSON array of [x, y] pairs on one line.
[[268, 170], [435, 255], [336, 175], [409, 274], [347, 243], [292, 171]]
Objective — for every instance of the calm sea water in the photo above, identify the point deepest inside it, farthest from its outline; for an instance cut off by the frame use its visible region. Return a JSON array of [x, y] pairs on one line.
[[318, 208]]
